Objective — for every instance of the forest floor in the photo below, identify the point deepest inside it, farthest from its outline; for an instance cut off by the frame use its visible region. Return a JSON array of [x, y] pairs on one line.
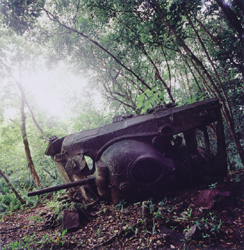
[[178, 222]]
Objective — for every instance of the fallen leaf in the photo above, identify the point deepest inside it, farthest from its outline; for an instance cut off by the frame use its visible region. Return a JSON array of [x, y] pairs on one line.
[[191, 231]]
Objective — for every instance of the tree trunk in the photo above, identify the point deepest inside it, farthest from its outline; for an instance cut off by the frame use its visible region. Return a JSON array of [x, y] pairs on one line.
[[35, 122], [25, 141], [227, 115], [23, 128], [13, 189], [236, 24]]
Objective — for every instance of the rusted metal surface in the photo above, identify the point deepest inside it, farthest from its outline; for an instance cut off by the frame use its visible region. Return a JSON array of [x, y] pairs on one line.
[[137, 170], [147, 155], [178, 119], [90, 180]]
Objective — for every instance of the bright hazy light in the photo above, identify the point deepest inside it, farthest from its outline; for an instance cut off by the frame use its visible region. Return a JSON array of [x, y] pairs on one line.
[[50, 88], [10, 113], [51, 91]]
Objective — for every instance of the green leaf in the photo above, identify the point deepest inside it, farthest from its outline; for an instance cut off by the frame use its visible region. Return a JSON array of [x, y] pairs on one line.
[[141, 97], [201, 98], [140, 104], [162, 95], [148, 91], [155, 97], [146, 106]]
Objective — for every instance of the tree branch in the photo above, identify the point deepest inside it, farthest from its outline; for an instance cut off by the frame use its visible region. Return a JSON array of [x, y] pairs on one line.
[[52, 18]]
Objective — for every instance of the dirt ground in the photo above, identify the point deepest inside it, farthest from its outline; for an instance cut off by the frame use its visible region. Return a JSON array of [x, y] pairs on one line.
[[177, 222]]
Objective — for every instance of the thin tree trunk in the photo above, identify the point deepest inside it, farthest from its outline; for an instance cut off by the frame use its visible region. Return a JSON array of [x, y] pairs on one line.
[[35, 122], [212, 64], [11, 186], [26, 143], [205, 30], [184, 57], [187, 81], [167, 66], [226, 113], [233, 20], [157, 74], [23, 128], [196, 81]]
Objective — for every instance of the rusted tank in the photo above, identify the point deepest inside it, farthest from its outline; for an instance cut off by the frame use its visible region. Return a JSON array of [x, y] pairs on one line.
[[145, 156]]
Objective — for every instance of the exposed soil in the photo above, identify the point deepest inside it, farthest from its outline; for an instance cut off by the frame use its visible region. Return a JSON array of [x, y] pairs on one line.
[[174, 223]]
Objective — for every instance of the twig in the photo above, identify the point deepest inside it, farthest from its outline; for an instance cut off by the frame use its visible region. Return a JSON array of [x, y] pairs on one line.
[[10, 229], [54, 177]]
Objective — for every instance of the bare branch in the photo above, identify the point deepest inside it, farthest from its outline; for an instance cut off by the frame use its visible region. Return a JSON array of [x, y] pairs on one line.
[[52, 18]]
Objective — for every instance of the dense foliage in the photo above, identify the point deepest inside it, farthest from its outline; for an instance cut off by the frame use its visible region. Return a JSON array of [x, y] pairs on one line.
[[138, 54]]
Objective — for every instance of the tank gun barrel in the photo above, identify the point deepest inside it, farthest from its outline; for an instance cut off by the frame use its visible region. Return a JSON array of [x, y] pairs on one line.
[[90, 180]]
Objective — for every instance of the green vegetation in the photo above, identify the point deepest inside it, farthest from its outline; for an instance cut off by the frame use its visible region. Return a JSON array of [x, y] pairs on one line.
[[137, 55]]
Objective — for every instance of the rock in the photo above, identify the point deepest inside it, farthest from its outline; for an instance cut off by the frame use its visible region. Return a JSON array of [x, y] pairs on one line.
[[71, 219], [172, 236], [206, 198]]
